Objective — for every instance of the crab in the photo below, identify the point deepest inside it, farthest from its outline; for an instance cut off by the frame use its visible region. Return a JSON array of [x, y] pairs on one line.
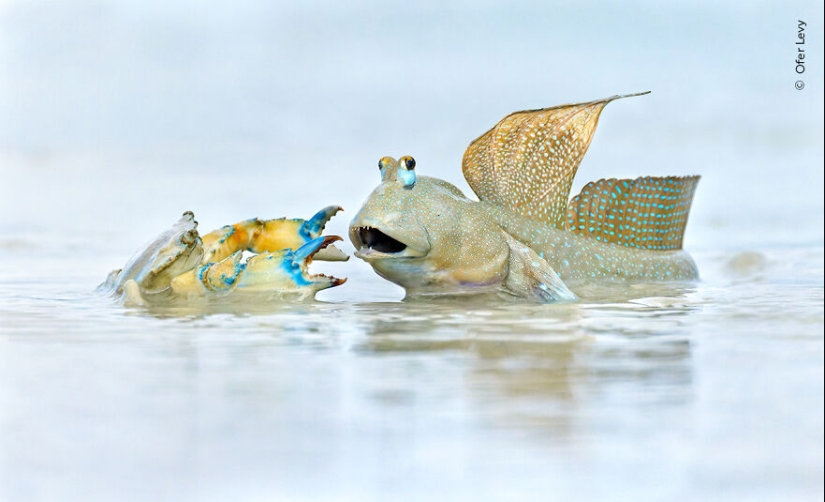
[[257, 256]]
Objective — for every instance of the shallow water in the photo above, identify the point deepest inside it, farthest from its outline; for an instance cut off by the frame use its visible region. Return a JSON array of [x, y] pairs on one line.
[[117, 119], [708, 391]]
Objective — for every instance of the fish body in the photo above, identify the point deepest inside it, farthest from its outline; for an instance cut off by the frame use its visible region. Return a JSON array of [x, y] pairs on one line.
[[524, 237], [433, 240], [575, 257]]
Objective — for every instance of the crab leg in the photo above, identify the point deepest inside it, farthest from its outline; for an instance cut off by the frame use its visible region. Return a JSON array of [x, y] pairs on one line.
[[260, 236], [283, 271]]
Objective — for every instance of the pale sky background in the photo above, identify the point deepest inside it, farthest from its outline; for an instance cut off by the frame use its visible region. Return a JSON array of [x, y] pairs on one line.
[[132, 112], [117, 116]]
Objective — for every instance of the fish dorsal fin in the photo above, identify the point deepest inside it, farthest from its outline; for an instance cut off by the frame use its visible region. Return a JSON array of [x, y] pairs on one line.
[[526, 163], [645, 213]]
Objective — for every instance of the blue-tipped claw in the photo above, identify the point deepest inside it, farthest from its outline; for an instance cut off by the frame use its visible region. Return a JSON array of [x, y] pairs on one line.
[[295, 262], [313, 227], [313, 246]]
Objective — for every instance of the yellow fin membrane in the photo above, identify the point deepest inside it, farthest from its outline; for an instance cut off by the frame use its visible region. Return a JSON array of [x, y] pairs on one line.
[[527, 162]]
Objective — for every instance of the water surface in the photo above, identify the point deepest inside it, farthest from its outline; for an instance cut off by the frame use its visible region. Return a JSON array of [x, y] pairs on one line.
[[116, 119]]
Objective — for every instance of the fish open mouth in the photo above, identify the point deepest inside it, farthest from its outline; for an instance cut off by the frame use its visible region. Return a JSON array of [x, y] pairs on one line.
[[377, 240]]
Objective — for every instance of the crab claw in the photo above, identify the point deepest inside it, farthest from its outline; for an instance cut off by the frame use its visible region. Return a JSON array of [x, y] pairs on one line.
[[303, 256], [260, 236], [287, 270], [313, 227], [280, 272]]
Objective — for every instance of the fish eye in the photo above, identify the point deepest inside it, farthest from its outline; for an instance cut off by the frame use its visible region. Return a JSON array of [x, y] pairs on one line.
[[381, 164], [407, 176]]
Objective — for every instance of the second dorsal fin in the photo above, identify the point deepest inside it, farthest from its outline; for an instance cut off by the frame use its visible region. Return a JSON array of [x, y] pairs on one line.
[[526, 163], [645, 213]]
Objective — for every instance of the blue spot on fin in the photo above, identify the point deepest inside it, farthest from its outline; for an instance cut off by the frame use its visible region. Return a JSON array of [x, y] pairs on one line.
[[629, 207]]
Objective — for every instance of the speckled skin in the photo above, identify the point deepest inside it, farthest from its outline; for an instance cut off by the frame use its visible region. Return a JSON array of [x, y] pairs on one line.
[[455, 244], [575, 256], [524, 236]]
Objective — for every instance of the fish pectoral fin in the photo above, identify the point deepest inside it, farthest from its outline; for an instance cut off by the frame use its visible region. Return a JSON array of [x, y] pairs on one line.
[[527, 162], [646, 213], [530, 276]]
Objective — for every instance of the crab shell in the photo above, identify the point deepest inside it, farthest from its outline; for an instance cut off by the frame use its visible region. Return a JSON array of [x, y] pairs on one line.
[[180, 262]]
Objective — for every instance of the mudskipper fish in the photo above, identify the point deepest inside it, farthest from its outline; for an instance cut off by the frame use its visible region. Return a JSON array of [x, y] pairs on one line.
[[523, 237]]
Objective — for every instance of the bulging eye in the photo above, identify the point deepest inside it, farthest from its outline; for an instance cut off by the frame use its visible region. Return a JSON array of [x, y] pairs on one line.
[[381, 164], [407, 175]]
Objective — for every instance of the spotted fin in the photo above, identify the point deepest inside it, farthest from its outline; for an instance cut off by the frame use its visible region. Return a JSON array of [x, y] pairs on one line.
[[645, 213], [526, 163]]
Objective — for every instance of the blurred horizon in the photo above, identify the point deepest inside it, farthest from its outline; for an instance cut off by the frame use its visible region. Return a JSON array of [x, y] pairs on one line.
[[116, 117], [147, 109]]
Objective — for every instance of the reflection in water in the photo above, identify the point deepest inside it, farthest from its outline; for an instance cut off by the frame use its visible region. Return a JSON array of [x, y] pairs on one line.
[[529, 365], [523, 365], [278, 395], [237, 304], [712, 391]]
